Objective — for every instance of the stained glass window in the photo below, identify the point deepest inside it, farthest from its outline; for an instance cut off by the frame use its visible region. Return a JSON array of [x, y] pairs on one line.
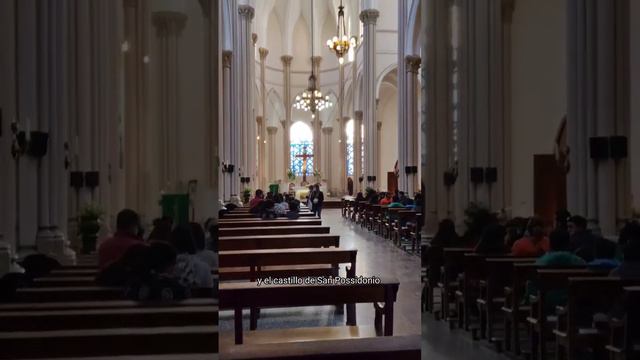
[[350, 157], [301, 138]]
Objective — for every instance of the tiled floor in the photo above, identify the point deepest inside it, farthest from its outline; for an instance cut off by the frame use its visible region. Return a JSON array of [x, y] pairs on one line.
[[376, 257]]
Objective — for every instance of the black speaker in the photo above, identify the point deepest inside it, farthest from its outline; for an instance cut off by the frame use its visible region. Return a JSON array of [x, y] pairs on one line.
[[476, 175], [92, 179], [38, 144], [414, 169], [230, 168], [449, 178], [373, 178], [490, 175], [76, 179], [599, 147], [618, 147], [407, 169]]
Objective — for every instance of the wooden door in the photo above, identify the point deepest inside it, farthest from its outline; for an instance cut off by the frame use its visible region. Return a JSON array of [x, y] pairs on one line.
[[549, 188], [392, 182]]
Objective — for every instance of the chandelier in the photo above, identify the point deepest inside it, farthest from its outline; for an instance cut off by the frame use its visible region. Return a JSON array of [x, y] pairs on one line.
[[312, 99], [341, 43]]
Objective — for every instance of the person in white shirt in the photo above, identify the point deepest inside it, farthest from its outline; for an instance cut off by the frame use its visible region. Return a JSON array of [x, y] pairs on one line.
[[281, 207], [190, 270], [205, 255]]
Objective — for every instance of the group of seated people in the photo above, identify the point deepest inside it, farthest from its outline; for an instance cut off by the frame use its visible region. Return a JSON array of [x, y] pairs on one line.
[[166, 265], [397, 199], [269, 206], [570, 243]]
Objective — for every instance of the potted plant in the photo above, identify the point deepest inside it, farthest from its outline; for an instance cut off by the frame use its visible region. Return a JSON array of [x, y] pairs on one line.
[[291, 175], [89, 226], [246, 194]]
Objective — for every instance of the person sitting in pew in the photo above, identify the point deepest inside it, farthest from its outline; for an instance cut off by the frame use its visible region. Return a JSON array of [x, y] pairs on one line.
[[404, 199], [161, 229], [360, 197], [190, 270], [256, 201], [446, 236], [629, 232], [604, 255], [153, 279], [492, 241], [281, 207], [559, 255], [515, 229], [126, 236], [294, 208], [387, 199], [205, 255], [630, 266], [533, 245], [583, 242], [121, 271]]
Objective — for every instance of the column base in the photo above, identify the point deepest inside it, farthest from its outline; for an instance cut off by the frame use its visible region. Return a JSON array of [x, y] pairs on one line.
[[8, 259], [52, 242]]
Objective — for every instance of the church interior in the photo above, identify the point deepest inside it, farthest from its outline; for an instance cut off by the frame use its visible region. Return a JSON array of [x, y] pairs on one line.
[[319, 179]]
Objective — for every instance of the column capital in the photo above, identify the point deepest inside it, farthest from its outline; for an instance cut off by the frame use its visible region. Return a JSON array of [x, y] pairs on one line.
[[359, 115], [316, 60], [263, 53], [259, 119], [168, 22], [286, 60], [272, 130], [413, 63], [327, 130], [283, 122], [379, 125], [369, 16], [227, 56], [246, 11], [130, 3], [254, 38]]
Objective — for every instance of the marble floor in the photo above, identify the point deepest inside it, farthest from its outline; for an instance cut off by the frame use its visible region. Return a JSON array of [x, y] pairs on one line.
[[440, 343], [376, 257]]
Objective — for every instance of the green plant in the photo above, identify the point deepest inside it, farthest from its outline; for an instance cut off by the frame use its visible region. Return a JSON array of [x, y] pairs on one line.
[[368, 192], [291, 175], [316, 173], [246, 194], [476, 218], [89, 220]]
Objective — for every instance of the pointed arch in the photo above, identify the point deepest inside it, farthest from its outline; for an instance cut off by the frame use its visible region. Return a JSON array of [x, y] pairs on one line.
[[386, 75]]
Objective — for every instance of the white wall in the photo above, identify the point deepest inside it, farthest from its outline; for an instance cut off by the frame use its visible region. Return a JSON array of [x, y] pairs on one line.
[[538, 90], [634, 140], [388, 115]]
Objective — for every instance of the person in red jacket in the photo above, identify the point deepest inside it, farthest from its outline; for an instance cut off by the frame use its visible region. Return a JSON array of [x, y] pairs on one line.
[[126, 236]]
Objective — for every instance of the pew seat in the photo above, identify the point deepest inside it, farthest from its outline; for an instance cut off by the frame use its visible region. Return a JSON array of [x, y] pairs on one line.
[[276, 230], [226, 224], [278, 242], [108, 342]]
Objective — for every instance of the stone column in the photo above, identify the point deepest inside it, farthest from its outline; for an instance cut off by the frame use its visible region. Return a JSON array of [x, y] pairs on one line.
[[381, 172], [230, 131], [369, 17], [597, 107], [245, 90], [357, 152], [261, 142], [327, 156], [409, 144], [262, 129], [271, 142], [169, 26], [403, 122], [134, 101], [286, 71], [342, 143], [252, 168], [317, 124]]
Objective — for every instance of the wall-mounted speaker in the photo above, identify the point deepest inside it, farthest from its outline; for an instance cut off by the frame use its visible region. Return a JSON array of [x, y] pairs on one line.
[[618, 147], [407, 169], [373, 178], [477, 175], [599, 147], [491, 175], [449, 178], [92, 179], [76, 179], [414, 169], [38, 144]]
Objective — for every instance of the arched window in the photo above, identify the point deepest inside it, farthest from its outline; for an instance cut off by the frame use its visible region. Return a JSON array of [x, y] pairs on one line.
[[301, 138], [350, 158]]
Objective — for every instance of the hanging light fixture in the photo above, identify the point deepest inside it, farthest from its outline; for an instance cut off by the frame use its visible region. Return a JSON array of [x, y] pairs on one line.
[[312, 99], [341, 43]]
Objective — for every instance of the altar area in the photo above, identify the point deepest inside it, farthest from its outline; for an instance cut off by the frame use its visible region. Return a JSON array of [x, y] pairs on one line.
[[298, 190]]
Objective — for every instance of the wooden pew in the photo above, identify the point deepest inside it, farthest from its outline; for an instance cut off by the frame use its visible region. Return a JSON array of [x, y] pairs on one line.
[[239, 296], [103, 318], [256, 264], [624, 338], [247, 223], [540, 322], [278, 242], [237, 216], [101, 304], [278, 230], [497, 274], [587, 296], [108, 342], [78, 294], [451, 264]]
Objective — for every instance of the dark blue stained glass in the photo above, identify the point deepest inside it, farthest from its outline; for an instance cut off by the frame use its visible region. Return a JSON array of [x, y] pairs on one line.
[[297, 162], [350, 159]]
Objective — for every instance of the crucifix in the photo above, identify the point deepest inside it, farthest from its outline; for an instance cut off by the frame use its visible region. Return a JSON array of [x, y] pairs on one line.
[[305, 158]]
